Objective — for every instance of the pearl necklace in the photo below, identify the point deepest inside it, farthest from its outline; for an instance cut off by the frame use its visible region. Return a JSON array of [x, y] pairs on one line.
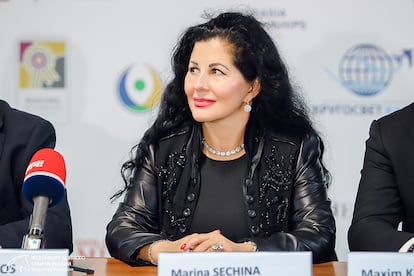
[[222, 153]]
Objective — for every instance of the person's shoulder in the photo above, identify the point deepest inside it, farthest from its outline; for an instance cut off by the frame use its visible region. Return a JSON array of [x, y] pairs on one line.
[[293, 139], [401, 117], [176, 133], [27, 121], [171, 142], [11, 113]]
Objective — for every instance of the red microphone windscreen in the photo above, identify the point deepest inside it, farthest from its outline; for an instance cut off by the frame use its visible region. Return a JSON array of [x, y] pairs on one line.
[[45, 176]]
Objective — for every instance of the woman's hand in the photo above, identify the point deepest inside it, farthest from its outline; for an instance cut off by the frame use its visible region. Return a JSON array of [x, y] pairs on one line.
[[150, 252], [212, 242], [207, 242]]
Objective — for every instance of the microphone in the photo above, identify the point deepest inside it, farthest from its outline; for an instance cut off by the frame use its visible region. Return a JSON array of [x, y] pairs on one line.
[[43, 186]]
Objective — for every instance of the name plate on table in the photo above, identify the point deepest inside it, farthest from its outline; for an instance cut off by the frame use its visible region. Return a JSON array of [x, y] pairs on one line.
[[380, 263], [42, 262], [235, 263]]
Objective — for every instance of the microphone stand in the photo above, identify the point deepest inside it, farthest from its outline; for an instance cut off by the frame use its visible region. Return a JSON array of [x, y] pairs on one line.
[[35, 238]]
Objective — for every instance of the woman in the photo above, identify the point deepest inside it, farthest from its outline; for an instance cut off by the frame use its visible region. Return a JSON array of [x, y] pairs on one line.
[[232, 162]]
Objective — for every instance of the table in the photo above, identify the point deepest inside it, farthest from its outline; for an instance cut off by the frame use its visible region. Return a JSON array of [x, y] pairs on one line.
[[114, 267]]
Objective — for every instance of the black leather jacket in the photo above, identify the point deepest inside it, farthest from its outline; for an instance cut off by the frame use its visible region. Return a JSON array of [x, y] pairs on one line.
[[285, 196]]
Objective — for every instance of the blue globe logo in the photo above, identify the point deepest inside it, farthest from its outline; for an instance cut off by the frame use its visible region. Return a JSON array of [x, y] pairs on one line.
[[365, 69]]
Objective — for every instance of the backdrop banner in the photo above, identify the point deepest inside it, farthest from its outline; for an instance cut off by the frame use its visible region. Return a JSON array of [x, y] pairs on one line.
[[94, 69]]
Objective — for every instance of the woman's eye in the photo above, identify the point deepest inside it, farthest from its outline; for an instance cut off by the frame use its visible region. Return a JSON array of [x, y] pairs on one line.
[[217, 71], [192, 69]]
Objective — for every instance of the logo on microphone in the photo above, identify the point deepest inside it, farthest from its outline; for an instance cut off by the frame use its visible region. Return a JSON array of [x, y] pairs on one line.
[[139, 87], [35, 164]]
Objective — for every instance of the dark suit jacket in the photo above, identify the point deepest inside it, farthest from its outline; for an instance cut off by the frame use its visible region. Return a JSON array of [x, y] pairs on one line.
[[386, 190], [21, 135]]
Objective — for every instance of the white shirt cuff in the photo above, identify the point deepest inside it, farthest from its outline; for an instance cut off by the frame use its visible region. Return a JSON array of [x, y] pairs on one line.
[[406, 245]]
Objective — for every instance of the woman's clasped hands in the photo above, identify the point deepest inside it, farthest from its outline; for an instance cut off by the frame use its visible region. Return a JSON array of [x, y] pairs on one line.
[[206, 242], [211, 242]]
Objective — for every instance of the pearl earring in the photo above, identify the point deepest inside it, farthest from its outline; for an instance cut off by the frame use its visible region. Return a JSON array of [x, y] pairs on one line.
[[247, 107]]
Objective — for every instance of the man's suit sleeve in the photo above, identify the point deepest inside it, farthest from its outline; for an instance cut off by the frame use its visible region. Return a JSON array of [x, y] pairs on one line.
[[58, 227], [377, 210]]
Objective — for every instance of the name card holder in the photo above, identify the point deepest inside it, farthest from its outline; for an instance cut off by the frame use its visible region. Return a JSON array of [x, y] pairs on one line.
[[235, 263], [42, 262], [380, 263]]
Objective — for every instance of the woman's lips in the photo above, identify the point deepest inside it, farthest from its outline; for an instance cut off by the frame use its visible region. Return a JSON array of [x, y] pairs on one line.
[[203, 102]]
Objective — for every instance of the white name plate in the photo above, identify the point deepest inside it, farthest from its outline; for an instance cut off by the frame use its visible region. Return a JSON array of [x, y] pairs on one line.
[[235, 263], [380, 263], [42, 262]]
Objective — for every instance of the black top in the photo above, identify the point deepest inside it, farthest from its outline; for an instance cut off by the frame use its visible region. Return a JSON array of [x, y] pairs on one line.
[[221, 201]]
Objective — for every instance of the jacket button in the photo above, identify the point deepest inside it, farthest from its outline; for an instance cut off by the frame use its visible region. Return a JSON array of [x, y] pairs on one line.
[[255, 229], [248, 182], [191, 197], [182, 228], [251, 213], [249, 199], [186, 212]]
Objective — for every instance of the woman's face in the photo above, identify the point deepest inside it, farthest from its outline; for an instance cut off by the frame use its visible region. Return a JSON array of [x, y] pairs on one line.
[[216, 90]]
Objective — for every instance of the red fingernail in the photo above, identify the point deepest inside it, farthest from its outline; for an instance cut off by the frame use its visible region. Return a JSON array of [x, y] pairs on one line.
[[183, 246]]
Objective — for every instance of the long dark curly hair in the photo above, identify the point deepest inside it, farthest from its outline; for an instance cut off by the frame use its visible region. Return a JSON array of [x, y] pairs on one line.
[[277, 106]]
